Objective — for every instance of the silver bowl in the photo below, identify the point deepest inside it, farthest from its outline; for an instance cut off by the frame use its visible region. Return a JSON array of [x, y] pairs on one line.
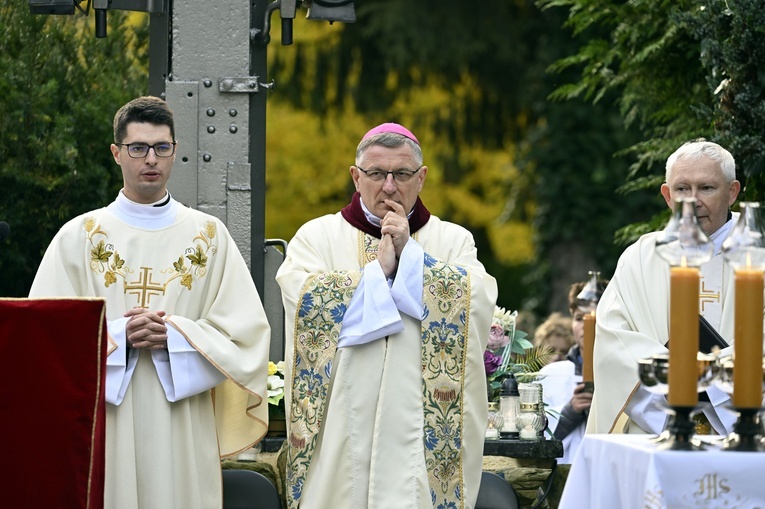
[[654, 372], [725, 366]]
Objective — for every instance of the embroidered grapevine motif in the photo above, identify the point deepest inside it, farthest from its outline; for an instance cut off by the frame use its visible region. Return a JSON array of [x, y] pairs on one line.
[[105, 259], [197, 255], [101, 253]]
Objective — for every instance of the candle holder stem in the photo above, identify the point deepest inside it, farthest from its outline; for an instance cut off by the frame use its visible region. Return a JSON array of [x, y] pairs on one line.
[[681, 431], [746, 436]]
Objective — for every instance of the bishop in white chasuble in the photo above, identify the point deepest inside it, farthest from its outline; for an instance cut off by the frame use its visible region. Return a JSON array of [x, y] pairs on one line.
[[398, 421]]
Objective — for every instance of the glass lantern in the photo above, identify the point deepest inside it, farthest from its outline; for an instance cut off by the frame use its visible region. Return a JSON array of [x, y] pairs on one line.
[[495, 421], [529, 421], [510, 407], [744, 249], [683, 242], [587, 299]]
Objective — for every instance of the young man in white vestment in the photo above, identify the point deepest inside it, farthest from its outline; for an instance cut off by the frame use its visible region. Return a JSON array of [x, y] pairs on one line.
[[187, 365], [632, 315], [388, 313]]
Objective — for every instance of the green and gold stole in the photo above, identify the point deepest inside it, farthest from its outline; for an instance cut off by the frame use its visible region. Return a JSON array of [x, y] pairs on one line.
[[318, 320]]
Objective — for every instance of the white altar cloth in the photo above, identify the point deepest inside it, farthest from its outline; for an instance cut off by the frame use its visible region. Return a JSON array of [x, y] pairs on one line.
[[629, 471]]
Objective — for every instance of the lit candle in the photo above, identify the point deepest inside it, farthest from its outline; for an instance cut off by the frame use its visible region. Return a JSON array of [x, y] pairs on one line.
[[747, 348], [589, 346], [683, 336]]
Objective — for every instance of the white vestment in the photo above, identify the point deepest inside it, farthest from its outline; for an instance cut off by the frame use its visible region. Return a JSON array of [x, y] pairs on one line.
[[633, 323], [162, 454], [371, 448], [560, 380]]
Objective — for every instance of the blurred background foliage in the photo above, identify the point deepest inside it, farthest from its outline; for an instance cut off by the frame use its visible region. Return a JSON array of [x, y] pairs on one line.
[[545, 124], [58, 92]]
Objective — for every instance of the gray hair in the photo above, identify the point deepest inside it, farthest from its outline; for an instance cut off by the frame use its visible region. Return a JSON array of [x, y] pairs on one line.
[[389, 140], [696, 149]]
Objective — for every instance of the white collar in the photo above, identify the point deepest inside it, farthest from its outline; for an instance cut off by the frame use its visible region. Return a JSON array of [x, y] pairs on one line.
[[722, 232], [151, 216]]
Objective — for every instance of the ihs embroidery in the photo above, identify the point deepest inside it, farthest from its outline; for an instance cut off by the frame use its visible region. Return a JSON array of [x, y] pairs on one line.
[[105, 259]]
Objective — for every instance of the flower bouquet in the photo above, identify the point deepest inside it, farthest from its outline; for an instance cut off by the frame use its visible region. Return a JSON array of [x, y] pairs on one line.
[[276, 411], [508, 351]]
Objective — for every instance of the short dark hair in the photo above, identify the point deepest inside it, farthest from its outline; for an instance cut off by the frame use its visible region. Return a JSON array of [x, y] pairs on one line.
[[573, 291], [146, 109]]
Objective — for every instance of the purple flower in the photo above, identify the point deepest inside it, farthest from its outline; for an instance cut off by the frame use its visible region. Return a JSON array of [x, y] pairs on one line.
[[497, 338], [491, 362]]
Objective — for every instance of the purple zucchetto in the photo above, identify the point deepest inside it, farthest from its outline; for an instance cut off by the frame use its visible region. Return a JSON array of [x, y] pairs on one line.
[[391, 127]]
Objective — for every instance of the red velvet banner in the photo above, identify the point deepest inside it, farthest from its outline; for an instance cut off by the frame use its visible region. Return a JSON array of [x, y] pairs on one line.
[[52, 407]]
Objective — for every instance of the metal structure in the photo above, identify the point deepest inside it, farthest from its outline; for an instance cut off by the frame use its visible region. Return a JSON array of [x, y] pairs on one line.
[[209, 62]]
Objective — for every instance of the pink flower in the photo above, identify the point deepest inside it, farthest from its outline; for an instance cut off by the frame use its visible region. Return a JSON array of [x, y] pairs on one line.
[[497, 338]]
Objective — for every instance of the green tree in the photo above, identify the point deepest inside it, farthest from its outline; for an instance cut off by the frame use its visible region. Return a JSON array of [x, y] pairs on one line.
[[732, 53], [59, 89], [532, 179], [678, 70], [525, 175]]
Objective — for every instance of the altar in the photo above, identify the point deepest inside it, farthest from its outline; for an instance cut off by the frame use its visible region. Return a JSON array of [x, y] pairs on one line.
[[631, 471]]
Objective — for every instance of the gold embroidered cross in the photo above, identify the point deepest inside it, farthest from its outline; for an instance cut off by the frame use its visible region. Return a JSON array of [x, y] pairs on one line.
[[707, 296], [145, 287]]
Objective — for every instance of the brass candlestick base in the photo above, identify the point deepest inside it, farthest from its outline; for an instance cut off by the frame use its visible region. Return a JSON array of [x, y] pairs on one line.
[[681, 430], [746, 436]]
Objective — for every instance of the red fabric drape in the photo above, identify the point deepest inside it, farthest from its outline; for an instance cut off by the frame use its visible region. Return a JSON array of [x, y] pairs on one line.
[[52, 407]]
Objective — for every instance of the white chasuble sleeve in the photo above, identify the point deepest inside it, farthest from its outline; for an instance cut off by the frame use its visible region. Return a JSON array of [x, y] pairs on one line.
[[407, 286], [374, 310], [182, 370], [120, 364], [231, 335], [372, 313], [647, 410]]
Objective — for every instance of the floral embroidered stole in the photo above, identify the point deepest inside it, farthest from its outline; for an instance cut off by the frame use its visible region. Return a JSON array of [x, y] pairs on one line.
[[318, 320]]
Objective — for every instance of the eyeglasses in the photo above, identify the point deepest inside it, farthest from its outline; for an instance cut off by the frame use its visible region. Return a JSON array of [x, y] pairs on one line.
[[139, 150], [398, 175]]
